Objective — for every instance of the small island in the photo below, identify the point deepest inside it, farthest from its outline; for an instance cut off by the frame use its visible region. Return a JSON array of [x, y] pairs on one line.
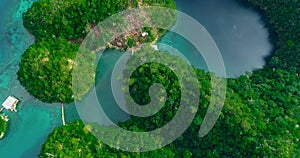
[[3, 124], [59, 27], [9, 104]]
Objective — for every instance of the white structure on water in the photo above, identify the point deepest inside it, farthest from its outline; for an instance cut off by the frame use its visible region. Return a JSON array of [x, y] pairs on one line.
[[10, 103]]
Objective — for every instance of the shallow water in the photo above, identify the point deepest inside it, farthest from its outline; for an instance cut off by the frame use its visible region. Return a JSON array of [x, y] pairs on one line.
[[34, 121], [239, 33]]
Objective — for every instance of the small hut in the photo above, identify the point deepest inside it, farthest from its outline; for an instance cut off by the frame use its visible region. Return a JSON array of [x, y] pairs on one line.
[[144, 34], [10, 103]]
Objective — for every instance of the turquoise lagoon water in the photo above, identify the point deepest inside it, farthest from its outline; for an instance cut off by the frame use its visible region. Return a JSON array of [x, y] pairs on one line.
[[29, 127], [34, 121], [103, 88]]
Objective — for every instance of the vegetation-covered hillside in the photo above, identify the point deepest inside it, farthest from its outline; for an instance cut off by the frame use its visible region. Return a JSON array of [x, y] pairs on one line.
[[72, 20], [76, 136], [46, 70], [258, 119]]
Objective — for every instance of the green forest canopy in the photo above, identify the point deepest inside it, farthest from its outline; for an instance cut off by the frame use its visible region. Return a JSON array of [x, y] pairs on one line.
[[59, 27], [259, 118], [3, 125], [46, 68]]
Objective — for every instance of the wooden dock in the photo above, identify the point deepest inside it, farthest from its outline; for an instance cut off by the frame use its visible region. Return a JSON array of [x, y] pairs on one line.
[[63, 115]]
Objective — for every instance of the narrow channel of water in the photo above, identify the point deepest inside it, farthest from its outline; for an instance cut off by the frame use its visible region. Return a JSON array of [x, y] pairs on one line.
[[105, 96]]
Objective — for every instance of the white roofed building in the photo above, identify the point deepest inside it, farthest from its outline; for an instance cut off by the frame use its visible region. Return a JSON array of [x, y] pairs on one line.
[[145, 34], [10, 103]]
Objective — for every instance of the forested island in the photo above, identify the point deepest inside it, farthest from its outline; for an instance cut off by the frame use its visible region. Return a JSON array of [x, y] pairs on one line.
[[59, 27], [260, 117], [3, 125]]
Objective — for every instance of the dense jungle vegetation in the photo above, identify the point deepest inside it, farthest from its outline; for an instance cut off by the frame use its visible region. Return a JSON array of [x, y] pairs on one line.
[[260, 117], [59, 27], [50, 65]]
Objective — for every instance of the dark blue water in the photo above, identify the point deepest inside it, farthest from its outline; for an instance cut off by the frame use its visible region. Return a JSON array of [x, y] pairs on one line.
[[239, 33]]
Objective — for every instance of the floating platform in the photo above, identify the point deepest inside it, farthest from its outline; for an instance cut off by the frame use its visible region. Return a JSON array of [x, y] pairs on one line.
[[10, 103]]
